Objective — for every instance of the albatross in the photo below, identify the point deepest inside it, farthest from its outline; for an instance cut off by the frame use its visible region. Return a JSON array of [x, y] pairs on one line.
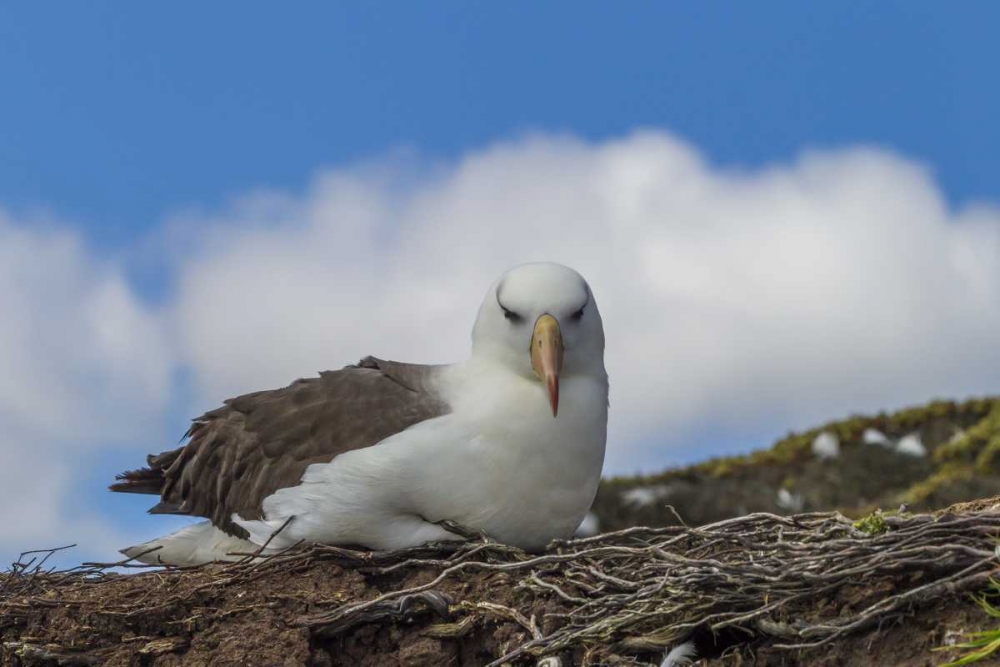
[[385, 455]]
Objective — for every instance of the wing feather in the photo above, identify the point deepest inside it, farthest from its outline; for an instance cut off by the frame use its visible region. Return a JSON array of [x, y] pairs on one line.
[[257, 443]]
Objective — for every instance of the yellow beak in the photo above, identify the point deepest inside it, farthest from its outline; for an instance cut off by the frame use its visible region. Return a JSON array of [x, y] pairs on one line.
[[547, 356]]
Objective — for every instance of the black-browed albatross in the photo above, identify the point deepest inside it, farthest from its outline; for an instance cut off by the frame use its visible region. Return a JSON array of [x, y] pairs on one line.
[[380, 454]]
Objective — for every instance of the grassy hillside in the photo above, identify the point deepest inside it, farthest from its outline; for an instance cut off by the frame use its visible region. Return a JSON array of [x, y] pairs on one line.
[[961, 442]]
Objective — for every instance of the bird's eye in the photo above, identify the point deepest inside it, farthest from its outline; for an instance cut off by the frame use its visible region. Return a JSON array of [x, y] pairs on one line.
[[577, 316], [511, 315]]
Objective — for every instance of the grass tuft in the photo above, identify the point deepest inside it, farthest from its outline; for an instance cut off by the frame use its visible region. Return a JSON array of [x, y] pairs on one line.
[[983, 644]]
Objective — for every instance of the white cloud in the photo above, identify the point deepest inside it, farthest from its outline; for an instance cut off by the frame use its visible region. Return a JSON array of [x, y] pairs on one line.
[[84, 365], [751, 300], [81, 354]]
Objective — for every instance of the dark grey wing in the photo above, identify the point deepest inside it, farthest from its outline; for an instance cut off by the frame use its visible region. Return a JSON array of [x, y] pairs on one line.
[[258, 443]]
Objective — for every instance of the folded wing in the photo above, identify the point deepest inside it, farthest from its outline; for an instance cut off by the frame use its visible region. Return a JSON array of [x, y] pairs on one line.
[[258, 443]]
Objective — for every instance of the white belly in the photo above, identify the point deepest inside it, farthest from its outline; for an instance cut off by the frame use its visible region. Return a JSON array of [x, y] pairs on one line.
[[500, 463], [526, 478]]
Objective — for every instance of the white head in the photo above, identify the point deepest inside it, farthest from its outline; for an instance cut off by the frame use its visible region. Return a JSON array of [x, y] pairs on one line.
[[541, 321]]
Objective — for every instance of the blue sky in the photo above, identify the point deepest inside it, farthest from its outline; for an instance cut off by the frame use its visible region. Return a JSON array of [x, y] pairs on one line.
[[117, 113], [148, 153]]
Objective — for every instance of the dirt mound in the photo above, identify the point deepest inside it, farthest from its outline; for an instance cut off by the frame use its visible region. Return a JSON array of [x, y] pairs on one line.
[[813, 589]]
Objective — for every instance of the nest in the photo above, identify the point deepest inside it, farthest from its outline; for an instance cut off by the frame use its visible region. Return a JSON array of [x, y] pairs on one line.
[[790, 584]]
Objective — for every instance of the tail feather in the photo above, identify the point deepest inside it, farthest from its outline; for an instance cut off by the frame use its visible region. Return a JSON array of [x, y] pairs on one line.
[[196, 544], [164, 507], [143, 480], [149, 479]]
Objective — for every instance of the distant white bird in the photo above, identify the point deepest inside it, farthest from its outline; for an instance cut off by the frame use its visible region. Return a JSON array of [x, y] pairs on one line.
[[911, 445], [873, 436], [642, 496], [387, 455], [826, 445], [793, 502]]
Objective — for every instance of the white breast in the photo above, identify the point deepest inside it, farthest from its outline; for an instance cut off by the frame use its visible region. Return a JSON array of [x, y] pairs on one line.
[[499, 462], [520, 474]]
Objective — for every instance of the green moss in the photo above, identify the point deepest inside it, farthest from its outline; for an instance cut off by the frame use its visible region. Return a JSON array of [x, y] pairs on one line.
[[797, 447], [873, 524], [911, 419], [988, 460], [786, 451], [979, 446], [948, 474]]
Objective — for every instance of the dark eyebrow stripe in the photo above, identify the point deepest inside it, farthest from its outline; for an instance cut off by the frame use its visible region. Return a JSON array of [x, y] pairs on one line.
[[499, 288], [507, 312], [586, 290]]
